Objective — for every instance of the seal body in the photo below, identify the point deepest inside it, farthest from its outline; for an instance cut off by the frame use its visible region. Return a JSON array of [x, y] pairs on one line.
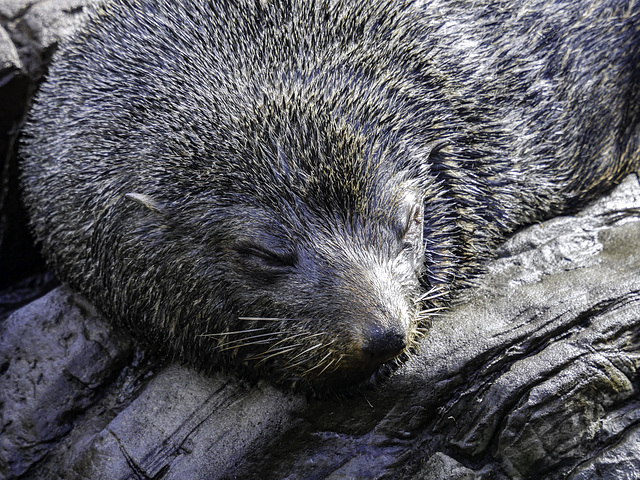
[[290, 188]]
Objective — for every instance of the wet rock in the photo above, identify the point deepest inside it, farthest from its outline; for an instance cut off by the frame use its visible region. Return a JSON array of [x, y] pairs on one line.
[[9, 58], [55, 356], [185, 425]]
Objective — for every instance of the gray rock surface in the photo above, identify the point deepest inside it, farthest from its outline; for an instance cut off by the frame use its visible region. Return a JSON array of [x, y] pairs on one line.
[[55, 356], [533, 374], [184, 425], [37, 26], [9, 58]]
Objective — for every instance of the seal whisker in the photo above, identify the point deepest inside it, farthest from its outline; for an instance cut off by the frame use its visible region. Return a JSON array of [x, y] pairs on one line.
[[252, 337], [304, 352], [433, 293], [431, 310], [242, 345], [429, 313], [319, 364], [235, 332], [263, 357], [290, 337], [269, 319], [264, 339]]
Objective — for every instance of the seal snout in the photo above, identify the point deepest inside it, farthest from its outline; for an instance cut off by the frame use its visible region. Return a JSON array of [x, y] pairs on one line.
[[382, 344], [376, 343]]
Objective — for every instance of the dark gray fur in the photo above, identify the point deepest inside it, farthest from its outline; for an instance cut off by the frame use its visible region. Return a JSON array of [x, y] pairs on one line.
[[292, 189]]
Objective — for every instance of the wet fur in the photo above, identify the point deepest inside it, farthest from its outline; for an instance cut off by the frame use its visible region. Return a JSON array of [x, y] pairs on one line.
[[237, 182]]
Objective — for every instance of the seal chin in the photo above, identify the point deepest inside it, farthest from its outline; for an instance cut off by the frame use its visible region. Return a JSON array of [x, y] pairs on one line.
[[363, 361], [352, 378]]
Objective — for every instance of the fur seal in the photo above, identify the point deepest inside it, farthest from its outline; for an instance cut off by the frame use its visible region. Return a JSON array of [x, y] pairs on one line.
[[290, 189]]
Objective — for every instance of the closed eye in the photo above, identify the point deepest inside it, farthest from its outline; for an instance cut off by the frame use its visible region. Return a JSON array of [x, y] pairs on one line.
[[267, 257]]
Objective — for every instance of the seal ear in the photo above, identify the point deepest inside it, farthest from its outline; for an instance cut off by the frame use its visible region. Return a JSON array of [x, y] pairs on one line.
[[145, 201], [435, 146]]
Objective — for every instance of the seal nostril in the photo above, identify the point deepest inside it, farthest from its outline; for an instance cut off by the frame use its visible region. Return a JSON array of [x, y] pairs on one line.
[[383, 344]]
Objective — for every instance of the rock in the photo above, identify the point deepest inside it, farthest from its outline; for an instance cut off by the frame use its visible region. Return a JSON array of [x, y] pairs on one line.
[[9, 58], [52, 20], [55, 356], [12, 9], [207, 427], [443, 467]]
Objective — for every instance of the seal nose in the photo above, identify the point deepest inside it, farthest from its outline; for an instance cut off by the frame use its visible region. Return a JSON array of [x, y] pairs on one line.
[[383, 344]]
